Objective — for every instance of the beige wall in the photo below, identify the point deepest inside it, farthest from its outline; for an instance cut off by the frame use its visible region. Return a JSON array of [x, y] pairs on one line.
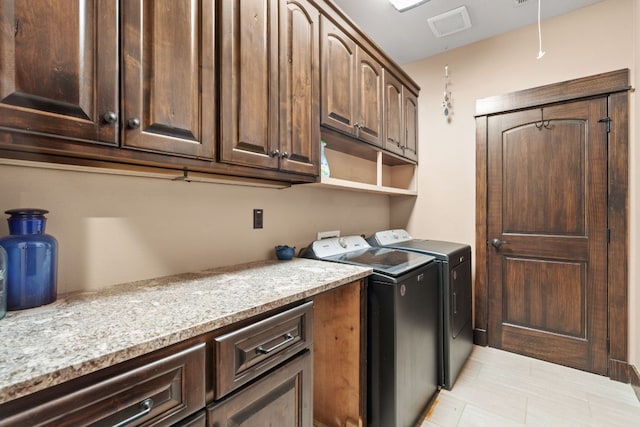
[[591, 40], [114, 229]]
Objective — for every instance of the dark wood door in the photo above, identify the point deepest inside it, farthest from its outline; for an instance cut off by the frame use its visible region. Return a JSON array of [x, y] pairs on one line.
[[282, 398], [249, 83], [338, 59], [299, 87], [59, 68], [369, 98], [410, 146], [547, 232], [393, 123], [169, 76]]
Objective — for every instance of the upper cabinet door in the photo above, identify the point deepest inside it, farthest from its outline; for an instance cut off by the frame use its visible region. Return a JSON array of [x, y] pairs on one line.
[[249, 83], [369, 99], [59, 68], [169, 76], [410, 124], [338, 57], [393, 120], [299, 87]]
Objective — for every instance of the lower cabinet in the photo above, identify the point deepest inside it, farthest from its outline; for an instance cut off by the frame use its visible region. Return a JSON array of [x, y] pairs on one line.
[[158, 392], [281, 398], [276, 370]]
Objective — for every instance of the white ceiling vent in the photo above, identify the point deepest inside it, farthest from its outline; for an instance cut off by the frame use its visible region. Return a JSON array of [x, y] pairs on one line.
[[450, 22]]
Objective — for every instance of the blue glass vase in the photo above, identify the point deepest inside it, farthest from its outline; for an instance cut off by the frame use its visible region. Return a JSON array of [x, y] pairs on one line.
[[3, 282], [32, 260]]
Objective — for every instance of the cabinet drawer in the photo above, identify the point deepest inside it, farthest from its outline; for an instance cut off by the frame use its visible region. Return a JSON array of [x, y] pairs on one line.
[[281, 398], [159, 393], [248, 352]]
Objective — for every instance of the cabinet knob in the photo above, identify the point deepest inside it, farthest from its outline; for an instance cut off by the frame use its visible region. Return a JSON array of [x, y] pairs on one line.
[[110, 117], [134, 123], [275, 153], [285, 155]]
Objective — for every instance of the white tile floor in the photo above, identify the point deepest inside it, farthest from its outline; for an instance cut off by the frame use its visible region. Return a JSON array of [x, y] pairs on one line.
[[501, 389]]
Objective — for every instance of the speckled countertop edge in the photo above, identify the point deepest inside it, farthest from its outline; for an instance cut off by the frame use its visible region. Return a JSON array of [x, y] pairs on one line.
[[81, 333]]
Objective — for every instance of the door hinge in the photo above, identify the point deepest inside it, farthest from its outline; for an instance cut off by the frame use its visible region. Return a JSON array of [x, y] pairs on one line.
[[608, 346], [608, 235], [606, 120]]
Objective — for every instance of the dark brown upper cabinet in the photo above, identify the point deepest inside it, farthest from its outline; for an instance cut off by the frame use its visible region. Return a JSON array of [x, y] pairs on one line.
[[410, 114], [394, 135], [299, 87], [59, 69], [400, 118], [351, 99], [270, 85], [169, 76]]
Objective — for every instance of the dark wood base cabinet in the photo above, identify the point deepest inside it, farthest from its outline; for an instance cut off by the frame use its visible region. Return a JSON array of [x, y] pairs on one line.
[[282, 398]]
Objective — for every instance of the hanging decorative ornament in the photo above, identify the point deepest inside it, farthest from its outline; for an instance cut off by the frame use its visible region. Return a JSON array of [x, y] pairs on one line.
[[446, 101], [540, 51]]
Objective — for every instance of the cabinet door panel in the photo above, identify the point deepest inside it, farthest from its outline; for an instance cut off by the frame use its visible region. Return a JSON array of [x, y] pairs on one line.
[[369, 90], [169, 85], [338, 78], [249, 89], [282, 398], [58, 67], [411, 125], [299, 86], [393, 123]]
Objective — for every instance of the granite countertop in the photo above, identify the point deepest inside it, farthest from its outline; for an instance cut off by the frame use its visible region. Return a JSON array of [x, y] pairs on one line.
[[83, 332]]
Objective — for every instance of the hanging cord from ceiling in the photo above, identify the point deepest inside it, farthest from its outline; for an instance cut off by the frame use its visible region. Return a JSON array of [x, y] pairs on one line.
[[540, 51]]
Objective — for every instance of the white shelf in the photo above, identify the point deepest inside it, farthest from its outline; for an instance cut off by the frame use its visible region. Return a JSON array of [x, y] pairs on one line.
[[343, 184]]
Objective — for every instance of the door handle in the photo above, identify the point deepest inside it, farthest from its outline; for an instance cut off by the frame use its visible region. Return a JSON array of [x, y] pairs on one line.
[[497, 243]]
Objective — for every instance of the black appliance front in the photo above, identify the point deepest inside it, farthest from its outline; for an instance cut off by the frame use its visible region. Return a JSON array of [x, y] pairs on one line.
[[455, 295], [402, 365]]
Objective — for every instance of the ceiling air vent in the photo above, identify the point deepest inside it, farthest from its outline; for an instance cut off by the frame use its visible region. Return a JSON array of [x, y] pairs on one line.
[[450, 22]]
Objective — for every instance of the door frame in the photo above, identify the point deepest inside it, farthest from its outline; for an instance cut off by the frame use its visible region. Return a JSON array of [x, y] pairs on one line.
[[614, 85]]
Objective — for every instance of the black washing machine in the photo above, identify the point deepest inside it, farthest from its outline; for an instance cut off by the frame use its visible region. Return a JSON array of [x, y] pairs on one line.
[[455, 295], [402, 327]]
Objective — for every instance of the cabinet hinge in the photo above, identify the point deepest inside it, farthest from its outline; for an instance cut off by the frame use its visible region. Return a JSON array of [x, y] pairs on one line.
[[608, 235], [606, 120]]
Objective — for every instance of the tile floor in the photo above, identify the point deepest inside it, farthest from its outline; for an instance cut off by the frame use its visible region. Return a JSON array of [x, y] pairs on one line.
[[501, 389]]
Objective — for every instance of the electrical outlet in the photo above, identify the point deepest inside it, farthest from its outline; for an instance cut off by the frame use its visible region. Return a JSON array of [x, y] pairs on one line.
[[328, 234], [257, 218]]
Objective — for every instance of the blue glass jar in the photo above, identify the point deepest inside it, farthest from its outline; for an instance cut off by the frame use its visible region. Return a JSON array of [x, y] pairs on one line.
[[3, 282], [32, 260]]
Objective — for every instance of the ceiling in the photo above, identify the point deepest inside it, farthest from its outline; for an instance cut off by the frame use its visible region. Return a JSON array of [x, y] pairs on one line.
[[407, 37]]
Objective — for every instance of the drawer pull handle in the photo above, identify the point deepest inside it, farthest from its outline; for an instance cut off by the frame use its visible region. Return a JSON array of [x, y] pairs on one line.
[[144, 406], [287, 339]]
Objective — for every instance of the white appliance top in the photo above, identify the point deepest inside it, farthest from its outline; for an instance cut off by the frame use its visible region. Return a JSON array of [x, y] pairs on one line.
[[338, 245], [389, 237], [355, 250]]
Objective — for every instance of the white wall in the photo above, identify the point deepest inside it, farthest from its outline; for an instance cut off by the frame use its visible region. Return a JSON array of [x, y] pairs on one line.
[[115, 229], [595, 39]]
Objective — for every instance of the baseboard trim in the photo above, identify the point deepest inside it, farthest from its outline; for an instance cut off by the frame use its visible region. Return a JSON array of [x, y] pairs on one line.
[[635, 380], [619, 370], [480, 337]]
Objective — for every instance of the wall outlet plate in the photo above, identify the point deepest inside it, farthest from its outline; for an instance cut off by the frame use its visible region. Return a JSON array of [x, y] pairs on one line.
[[328, 234], [257, 218]]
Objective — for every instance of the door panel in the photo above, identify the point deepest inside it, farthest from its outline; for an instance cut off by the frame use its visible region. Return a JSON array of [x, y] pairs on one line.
[[410, 115], [393, 124], [249, 92], [547, 216], [299, 87], [52, 78], [369, 89], [169, 76], [338, 56]]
